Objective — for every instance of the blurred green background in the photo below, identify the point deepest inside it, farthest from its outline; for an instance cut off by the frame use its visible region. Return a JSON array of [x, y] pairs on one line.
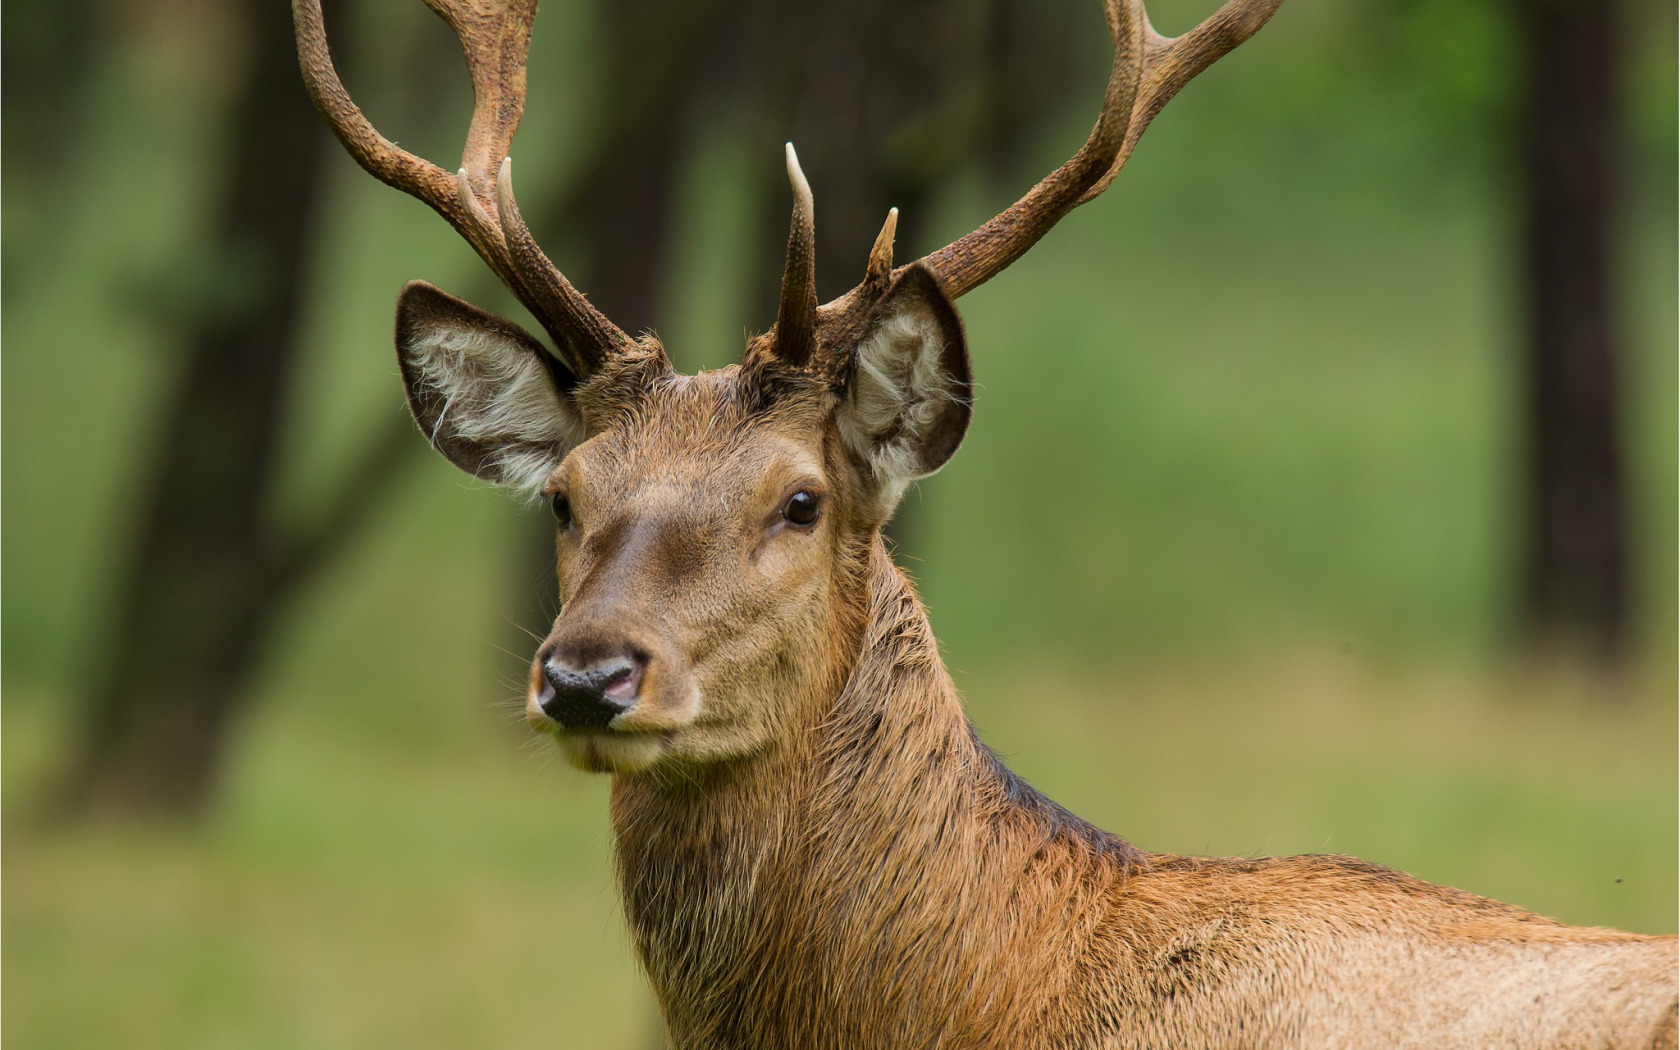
[[1228, 564]]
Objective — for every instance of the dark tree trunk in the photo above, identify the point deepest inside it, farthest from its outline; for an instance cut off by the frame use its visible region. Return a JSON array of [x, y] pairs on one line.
[[1576, 558], [206, 576], [45, 55], [47, 51]]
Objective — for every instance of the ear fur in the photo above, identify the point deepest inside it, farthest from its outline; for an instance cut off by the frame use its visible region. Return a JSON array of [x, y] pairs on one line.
[[486, 393], [909, 390]]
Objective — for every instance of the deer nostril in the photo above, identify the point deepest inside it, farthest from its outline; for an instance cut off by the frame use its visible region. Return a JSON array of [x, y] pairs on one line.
[[592, 697]]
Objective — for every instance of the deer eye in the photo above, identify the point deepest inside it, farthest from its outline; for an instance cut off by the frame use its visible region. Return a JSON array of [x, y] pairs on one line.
[[802, 508], [562, 508]]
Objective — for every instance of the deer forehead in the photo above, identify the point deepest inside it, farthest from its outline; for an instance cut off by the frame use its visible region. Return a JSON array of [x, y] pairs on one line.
[[704, 437]]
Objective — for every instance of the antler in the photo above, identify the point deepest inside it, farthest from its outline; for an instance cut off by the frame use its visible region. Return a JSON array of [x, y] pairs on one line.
[[796, 316], [1149, 70], [478, 200]]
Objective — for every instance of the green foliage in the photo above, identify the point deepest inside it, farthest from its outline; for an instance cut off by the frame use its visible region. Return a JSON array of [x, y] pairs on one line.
[[1255, 404]]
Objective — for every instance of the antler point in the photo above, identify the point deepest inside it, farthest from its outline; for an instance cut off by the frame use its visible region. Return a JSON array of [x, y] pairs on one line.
[[879, 268], [796, 174]]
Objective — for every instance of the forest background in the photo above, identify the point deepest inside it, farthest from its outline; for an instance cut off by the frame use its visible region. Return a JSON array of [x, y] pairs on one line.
[[1239, 557]]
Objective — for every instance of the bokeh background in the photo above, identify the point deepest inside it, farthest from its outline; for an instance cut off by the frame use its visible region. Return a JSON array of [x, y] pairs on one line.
[[1254, 546]]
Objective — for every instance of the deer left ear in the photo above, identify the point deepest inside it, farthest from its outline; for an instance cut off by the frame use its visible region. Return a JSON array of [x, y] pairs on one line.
[[486, 394], [908, 390]]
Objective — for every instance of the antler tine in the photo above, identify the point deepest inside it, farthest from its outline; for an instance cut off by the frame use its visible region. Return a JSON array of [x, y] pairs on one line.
[[1149, 70], [879, 270], [1171, 63], [796, 316], [970, 261], [495, 36], [594, 338]]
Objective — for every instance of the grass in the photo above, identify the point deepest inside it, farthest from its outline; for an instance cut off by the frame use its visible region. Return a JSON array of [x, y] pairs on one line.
[[370, 896], [451, 887]]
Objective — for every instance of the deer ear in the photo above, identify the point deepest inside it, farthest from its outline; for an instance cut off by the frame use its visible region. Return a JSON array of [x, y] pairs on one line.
[[909, 391], [486, 394]]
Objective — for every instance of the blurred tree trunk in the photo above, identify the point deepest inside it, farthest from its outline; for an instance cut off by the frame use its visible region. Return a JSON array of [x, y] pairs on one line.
[[1576, 557], [48, 50], [207, 575]]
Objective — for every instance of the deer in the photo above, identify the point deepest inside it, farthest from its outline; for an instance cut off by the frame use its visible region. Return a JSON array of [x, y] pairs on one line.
[[813, 847]]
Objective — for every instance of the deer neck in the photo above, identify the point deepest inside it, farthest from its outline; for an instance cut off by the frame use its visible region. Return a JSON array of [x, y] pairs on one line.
[[790, 895]]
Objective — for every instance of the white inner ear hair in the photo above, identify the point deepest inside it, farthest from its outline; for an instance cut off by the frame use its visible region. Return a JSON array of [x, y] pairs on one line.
[[898, 391], [498, 395]]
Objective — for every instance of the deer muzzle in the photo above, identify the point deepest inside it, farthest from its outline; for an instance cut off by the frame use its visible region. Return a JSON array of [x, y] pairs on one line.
[[589, 697]]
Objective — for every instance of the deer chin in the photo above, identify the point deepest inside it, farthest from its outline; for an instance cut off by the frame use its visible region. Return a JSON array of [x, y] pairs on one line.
[[610, 751]]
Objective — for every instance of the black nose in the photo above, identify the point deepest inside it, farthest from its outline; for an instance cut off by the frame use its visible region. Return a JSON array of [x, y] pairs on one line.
[[579, 698]]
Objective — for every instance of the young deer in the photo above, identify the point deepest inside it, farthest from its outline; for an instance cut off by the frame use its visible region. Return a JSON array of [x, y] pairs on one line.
[[813, 847]]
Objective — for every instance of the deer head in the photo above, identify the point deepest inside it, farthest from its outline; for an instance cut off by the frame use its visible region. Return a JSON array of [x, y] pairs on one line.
[[714, 531]]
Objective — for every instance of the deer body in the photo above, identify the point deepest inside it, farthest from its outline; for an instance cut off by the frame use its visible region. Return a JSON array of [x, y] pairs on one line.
[[814, 848]]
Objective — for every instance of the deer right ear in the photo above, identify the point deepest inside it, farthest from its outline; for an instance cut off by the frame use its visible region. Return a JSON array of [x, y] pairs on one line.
[[487, 394], [909, 394]]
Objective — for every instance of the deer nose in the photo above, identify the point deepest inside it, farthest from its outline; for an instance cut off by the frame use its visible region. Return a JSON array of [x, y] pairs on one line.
[[593, 696]]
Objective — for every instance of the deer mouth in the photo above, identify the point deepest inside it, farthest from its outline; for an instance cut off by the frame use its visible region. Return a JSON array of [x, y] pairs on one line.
[[611, 751], [611, 708]]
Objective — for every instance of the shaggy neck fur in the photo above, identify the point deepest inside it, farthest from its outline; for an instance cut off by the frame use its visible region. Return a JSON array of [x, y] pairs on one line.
[[738, 894]]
